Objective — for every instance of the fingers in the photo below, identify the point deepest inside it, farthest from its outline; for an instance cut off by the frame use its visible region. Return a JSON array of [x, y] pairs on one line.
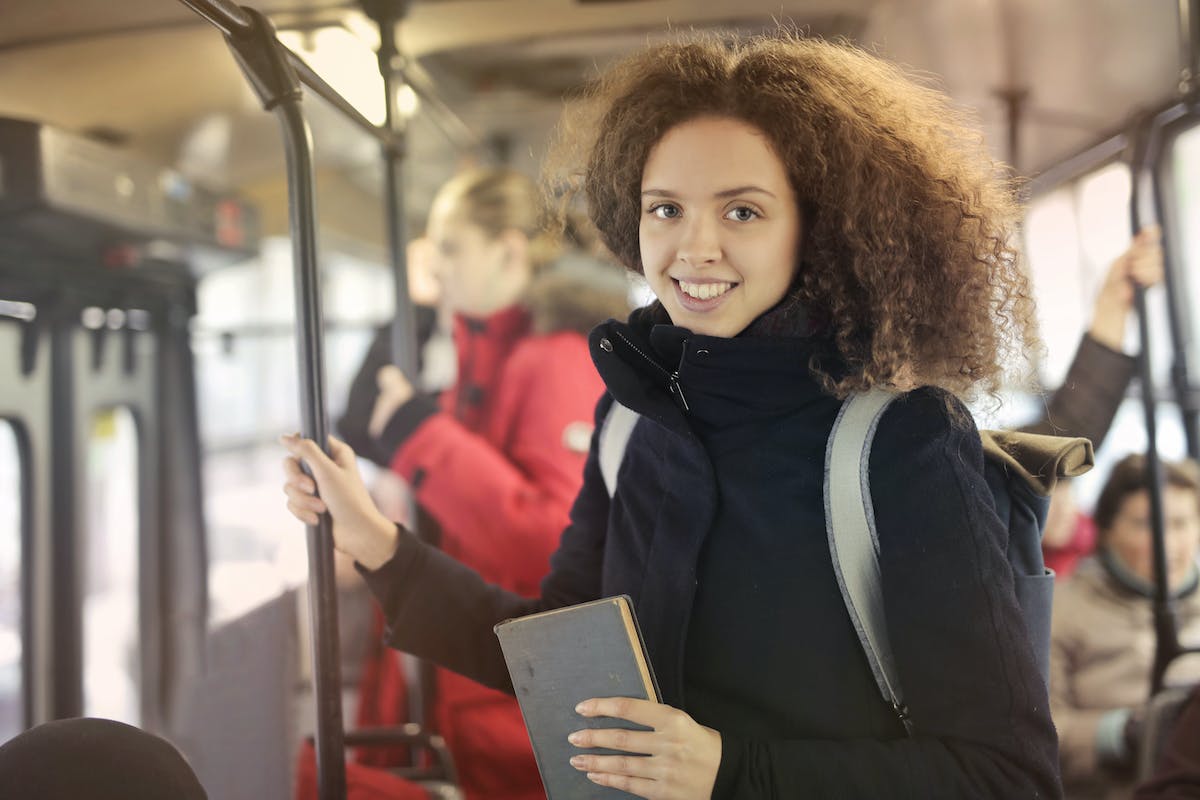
[[617, 771], [1144, 258], [390, 377], [1147, 234], [307, 451], [342, 453], [305, 515], [641, 742], [643, 712]]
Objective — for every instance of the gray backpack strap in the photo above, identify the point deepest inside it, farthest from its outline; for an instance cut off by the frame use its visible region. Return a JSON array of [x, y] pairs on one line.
[[614, 437], [853, 543]]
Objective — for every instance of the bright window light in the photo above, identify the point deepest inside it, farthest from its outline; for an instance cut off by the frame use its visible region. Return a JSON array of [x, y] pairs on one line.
[[1104, 218], [1052, 251], [346, 63], [407, 102]]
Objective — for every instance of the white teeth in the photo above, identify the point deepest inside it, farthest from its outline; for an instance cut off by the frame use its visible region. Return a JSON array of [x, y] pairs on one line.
[[704, 291]]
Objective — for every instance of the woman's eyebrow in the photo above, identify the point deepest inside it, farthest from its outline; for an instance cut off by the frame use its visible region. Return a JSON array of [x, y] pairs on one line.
[[742, 190], [724, 193]]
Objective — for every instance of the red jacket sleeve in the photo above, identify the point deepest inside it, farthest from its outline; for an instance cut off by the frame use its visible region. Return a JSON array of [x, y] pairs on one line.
[[503, 499]]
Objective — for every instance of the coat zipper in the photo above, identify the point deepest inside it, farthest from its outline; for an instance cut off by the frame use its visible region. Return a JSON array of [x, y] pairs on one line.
[[672, 377]]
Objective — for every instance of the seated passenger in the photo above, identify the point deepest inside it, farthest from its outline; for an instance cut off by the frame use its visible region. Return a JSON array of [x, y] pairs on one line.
[[94, 759], [1102, 649]]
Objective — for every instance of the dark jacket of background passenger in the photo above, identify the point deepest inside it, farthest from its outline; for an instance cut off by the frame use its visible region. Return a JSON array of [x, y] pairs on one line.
[[717, 532], [1090, 395]]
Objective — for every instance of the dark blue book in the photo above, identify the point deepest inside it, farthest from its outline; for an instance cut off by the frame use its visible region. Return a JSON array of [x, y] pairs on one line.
[[558, 659]]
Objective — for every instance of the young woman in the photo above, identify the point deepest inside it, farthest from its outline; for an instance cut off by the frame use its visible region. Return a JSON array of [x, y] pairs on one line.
[[495, 461], [1102, 648], [813, 223]]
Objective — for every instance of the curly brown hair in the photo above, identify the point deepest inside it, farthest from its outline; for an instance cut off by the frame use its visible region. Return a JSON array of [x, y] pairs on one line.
[[908, 259]]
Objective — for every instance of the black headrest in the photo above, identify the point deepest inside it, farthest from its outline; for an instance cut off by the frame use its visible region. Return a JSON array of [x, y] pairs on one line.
[[94, 759]]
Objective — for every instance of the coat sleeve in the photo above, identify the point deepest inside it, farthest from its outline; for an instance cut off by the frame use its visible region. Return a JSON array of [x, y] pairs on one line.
[[442, 610], [501, 506], [352, 424], [969, 677], [1090, 395]]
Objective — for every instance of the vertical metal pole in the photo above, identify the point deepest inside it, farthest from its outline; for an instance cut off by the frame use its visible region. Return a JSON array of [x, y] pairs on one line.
[[66, 603], [1189, 46], [1179, 324], [269, 72], [387, 14], [322, 595], [1166, 638]]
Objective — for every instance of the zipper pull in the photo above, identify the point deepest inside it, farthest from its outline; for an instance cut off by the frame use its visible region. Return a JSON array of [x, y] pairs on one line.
[[677, 390]]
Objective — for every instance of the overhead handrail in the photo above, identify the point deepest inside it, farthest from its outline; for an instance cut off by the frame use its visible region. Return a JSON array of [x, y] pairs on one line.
[[233, 21], [269, 71]]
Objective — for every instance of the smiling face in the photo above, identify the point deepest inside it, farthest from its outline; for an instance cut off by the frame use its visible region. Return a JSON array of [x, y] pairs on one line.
[[720, 228]]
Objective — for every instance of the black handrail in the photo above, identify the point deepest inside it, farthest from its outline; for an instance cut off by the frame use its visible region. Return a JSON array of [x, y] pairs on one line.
[[269, 71], [1179, 325], [231, 19], [386, 14], [1141, 158]]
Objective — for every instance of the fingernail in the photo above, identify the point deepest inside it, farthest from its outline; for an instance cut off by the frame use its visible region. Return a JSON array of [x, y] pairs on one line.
[[574, 738], [576, 761], [583, 707]]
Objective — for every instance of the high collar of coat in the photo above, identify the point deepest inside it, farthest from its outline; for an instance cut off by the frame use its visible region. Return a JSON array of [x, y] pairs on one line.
[[691, 382]]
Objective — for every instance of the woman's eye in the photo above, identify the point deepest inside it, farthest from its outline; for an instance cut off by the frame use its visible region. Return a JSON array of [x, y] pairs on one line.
[[665, 211], [742, 214]]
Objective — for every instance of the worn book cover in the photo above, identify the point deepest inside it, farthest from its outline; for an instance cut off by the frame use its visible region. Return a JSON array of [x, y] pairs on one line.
[[559, 658]]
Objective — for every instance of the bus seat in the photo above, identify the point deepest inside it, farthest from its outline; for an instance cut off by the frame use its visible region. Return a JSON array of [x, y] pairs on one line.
[[1162, 712], [238, 720]]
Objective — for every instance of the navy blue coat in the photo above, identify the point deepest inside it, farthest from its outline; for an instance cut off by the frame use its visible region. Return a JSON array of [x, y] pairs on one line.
[[717, 533]]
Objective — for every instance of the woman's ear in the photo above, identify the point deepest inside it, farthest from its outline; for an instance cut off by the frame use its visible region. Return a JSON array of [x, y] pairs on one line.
[[516, 249]]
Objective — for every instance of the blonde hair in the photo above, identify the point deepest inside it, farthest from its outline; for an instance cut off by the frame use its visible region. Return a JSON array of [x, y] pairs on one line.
[[499, 200]]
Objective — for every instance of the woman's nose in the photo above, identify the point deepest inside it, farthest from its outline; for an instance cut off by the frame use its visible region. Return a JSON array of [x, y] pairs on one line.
[[700, 243]]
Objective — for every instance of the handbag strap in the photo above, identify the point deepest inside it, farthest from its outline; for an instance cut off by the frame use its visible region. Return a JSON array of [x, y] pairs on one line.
[[853, 543]]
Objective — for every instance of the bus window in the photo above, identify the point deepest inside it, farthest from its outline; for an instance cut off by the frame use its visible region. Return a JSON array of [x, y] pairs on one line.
[[246, 378], [10, 584], [110, 569], [248, 390], [1055, 266]]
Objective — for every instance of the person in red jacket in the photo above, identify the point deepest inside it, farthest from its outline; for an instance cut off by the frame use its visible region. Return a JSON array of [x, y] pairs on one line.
[[496, 460]]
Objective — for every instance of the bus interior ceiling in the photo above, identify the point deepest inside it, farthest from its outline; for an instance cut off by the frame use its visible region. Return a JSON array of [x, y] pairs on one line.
[[151, 82]]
